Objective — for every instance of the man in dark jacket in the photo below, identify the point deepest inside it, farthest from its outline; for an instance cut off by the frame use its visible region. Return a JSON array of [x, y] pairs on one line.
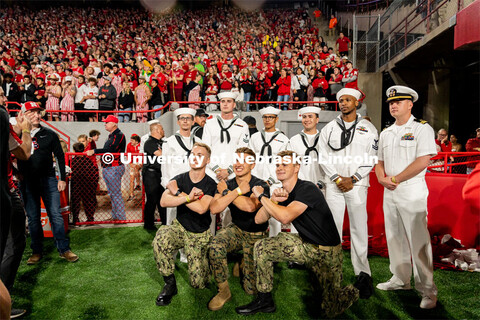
[[40, 181], [10, 88], [107, 96], [27, 91], [113, 168]]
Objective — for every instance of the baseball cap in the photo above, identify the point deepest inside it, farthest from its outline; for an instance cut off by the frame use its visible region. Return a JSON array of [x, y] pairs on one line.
[[110, 118]]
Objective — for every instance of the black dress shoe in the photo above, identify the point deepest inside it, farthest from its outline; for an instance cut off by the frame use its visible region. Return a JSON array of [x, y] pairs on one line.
[[364, 284], [262, 303], [169, 290]]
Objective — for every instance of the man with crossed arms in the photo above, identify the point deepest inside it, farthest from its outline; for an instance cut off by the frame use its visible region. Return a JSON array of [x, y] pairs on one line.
[[224, 134], [243, 232], [267, 143]]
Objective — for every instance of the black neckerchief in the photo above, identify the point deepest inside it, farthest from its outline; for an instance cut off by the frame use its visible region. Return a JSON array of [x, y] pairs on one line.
[[225, 130], [347, 134], [313, 147], [178, 136], [266, 144]]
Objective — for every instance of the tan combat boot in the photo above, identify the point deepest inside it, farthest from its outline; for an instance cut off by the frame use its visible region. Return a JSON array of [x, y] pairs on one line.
[[221, 298]]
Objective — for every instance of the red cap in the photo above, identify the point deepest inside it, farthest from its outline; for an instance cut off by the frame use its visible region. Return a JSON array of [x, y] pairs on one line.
[[31, 105], [111, 118]]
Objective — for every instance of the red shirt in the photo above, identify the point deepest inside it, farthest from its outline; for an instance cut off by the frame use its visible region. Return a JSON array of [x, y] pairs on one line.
[[190, 75], [133, 149], [162, 82], [317, 83], [343, 44], [348, 74], [178, 74], [444, 147], [284, 86], [224, 84]]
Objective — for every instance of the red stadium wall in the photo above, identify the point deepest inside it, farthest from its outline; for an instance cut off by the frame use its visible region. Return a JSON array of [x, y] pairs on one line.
[[467, 29], [447, 212]]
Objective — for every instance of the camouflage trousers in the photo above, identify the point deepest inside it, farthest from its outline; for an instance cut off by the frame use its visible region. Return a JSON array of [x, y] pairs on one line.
[[325, 262], [173, 237], [232, 239]]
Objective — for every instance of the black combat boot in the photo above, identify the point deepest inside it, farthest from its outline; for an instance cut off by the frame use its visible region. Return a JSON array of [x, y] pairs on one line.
[[262, 303], [364, 284], [169, 290]]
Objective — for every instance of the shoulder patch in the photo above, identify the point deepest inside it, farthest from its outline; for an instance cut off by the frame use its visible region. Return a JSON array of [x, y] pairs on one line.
[[421, 121]]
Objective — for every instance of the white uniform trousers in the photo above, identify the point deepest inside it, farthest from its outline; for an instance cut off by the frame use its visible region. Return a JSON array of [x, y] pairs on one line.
[[407, 235], [356, 202]]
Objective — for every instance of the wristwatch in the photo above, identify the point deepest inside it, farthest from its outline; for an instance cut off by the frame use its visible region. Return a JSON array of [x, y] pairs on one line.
[[225, 192], [178, 192], [261, 196]]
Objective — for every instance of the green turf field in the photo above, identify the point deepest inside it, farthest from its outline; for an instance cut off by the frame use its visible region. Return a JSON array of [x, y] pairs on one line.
[[116, 278]]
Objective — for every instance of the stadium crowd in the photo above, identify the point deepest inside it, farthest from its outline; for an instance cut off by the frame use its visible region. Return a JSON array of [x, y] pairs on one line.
[[83, 59]]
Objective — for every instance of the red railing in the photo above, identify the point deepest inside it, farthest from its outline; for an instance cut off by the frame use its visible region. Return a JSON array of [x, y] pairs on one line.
[[291, 106], [453, 162]]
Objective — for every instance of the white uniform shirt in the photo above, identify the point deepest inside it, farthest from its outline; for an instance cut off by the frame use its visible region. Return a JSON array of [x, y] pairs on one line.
[[172, 148], [310, 171], [266, 170], [399, 146], [223, 151], [364, 145]]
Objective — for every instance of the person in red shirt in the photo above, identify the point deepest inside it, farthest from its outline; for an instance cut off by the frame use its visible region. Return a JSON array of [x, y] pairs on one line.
[[320, 85], [442, 141], [225, 79], [134, 147], [284, 83], [473, 145], [343, 44], [350, 76], [176, 82]]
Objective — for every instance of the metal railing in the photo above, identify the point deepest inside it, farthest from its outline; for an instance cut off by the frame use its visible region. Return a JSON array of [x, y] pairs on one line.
[[453, 162], [421, 20]]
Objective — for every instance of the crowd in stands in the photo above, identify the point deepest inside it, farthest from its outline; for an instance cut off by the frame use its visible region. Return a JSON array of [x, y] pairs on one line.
[[131, 60]]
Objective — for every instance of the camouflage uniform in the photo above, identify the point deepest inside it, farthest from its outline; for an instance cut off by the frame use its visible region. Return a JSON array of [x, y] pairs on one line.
[[171, 238], [325, 262], [231, 239]]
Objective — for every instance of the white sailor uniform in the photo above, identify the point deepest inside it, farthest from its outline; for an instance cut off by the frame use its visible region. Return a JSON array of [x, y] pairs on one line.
[[405, 207], [268, 144], [362, 139]]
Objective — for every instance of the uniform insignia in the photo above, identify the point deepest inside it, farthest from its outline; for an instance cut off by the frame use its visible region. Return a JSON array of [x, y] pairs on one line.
[[392, 93], [421, 121], [375, 144], [238, 125], [408, 136], [362, 128], [278, 140]]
